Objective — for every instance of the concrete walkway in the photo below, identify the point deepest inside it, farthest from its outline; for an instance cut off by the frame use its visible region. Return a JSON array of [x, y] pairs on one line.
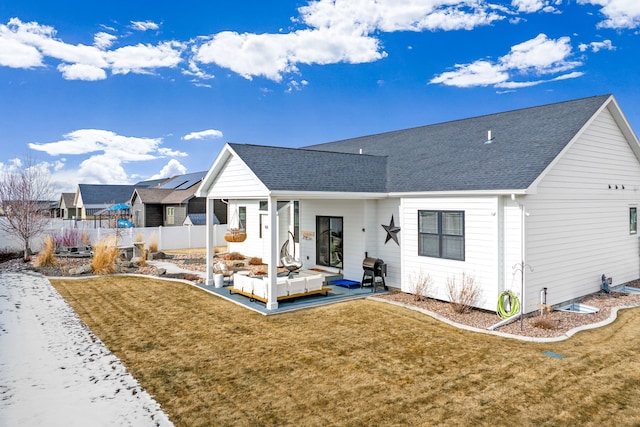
[[54, 371]]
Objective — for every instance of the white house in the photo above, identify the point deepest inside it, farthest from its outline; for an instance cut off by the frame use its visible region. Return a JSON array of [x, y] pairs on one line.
[[542, 197]]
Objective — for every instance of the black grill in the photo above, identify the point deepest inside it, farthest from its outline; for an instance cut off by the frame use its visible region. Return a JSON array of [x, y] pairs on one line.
[[374, 270]]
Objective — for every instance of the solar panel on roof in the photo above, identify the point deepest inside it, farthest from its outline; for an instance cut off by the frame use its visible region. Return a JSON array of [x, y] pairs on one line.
[[171, 185], [188, 184]]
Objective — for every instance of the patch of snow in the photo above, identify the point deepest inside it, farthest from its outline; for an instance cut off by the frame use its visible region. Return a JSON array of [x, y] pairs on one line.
[[54, 371]]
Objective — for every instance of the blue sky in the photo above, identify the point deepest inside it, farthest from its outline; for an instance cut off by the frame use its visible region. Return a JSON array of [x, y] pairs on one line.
[[124, 91]]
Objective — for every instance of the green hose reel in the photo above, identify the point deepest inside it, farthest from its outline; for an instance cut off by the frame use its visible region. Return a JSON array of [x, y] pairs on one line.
[[508, 304]]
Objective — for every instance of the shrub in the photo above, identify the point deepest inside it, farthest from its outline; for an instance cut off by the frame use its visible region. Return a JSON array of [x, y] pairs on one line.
[[543, 321], [105, 253], [463, 293], [67, 237], [47, 255], [153, 243], [85, 238], [255, 261], [421, 285], [232, 256]]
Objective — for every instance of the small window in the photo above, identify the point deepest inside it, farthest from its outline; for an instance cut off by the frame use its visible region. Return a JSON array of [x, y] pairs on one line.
[[633, 220], [441, 234], [171, 215], [242, 216]]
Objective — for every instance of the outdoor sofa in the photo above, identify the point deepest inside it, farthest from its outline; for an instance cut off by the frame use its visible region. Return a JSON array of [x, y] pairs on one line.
[[286, 287]]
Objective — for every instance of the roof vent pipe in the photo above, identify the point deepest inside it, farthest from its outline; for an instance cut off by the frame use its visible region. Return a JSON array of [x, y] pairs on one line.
[[489, 137], [361, 151]]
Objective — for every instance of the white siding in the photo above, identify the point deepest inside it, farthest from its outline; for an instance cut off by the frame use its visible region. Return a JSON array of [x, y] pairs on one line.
[[578, 228], [353, 214], [512, 237], [481, 246], [390, 251], [236, 181]]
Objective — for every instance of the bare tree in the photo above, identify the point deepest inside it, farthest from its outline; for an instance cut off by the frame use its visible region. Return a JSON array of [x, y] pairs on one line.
[[24, 197]]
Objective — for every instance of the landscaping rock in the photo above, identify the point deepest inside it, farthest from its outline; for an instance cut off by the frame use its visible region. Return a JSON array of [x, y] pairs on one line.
[[159, 255], [83, 269]]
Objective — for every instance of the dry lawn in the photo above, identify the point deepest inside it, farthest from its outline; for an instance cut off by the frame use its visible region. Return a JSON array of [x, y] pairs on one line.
[[210, 362]]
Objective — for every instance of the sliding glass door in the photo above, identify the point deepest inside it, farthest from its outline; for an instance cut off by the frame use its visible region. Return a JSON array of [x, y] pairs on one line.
[[329, 241]]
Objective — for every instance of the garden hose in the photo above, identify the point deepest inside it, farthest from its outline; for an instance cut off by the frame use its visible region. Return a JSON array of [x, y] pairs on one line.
[[512, 300]]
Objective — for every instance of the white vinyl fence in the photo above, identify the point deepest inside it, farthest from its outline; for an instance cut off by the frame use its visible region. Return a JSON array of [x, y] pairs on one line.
[[175, 237]]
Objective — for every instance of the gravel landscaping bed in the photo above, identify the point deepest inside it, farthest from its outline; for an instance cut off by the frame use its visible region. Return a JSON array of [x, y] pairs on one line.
[[548, 325]]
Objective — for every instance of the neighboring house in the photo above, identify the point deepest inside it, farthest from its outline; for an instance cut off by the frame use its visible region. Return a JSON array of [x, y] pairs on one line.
[[540, 199], [90, 199], [170, 202], [153, 207], [66, 207]]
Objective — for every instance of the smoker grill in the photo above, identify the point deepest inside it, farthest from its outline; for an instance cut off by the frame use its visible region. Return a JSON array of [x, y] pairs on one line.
[[374, 270]]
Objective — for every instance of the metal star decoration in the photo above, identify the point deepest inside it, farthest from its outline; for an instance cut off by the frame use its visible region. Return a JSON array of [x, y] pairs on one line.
[[392, 231]]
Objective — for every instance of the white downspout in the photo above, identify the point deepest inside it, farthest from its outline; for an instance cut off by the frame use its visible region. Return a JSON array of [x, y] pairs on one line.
[[522, 271]]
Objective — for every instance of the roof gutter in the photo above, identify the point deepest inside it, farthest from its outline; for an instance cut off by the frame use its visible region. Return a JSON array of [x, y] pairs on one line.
[[506, 192]]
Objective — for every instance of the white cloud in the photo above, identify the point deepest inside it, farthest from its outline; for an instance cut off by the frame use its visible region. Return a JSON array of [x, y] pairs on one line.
[[271, 55], [596, 46], [144, 58], [108, 153], [338, 32], [26, 44], [368, 16], [102, 169], [325, 32], [618, 13], [103, 40], [204, 134], [81, 72], [532, 58], [172, 168], [144, 25], [478, 73], [541, 55], [532, 6], [117, 147], [18, 55], [168, 152]]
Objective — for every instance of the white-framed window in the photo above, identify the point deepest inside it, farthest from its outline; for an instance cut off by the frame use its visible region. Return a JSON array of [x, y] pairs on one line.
[[171, 215], [633, 220]]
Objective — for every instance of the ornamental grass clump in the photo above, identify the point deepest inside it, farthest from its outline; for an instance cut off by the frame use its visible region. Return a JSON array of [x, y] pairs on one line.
[[47, 256], [143, 250], [153, 243], [105, 253]]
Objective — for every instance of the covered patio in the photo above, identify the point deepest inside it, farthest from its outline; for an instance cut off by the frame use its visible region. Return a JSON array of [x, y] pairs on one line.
[[340, 291]]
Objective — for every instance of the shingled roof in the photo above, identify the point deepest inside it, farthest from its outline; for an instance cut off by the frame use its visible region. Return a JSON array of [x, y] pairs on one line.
[[100, 194], [295, 169], [457, 156], [446, 157]]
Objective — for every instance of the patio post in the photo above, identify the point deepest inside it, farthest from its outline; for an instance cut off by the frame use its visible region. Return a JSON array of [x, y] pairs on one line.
[[272, 235], [210, 240]]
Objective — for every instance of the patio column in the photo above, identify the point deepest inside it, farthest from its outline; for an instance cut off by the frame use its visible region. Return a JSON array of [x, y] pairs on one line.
[[272, 235], [210, 240]]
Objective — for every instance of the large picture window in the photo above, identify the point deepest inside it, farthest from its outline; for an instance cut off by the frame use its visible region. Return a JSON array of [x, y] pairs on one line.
[[441, 234], [329, 241]]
